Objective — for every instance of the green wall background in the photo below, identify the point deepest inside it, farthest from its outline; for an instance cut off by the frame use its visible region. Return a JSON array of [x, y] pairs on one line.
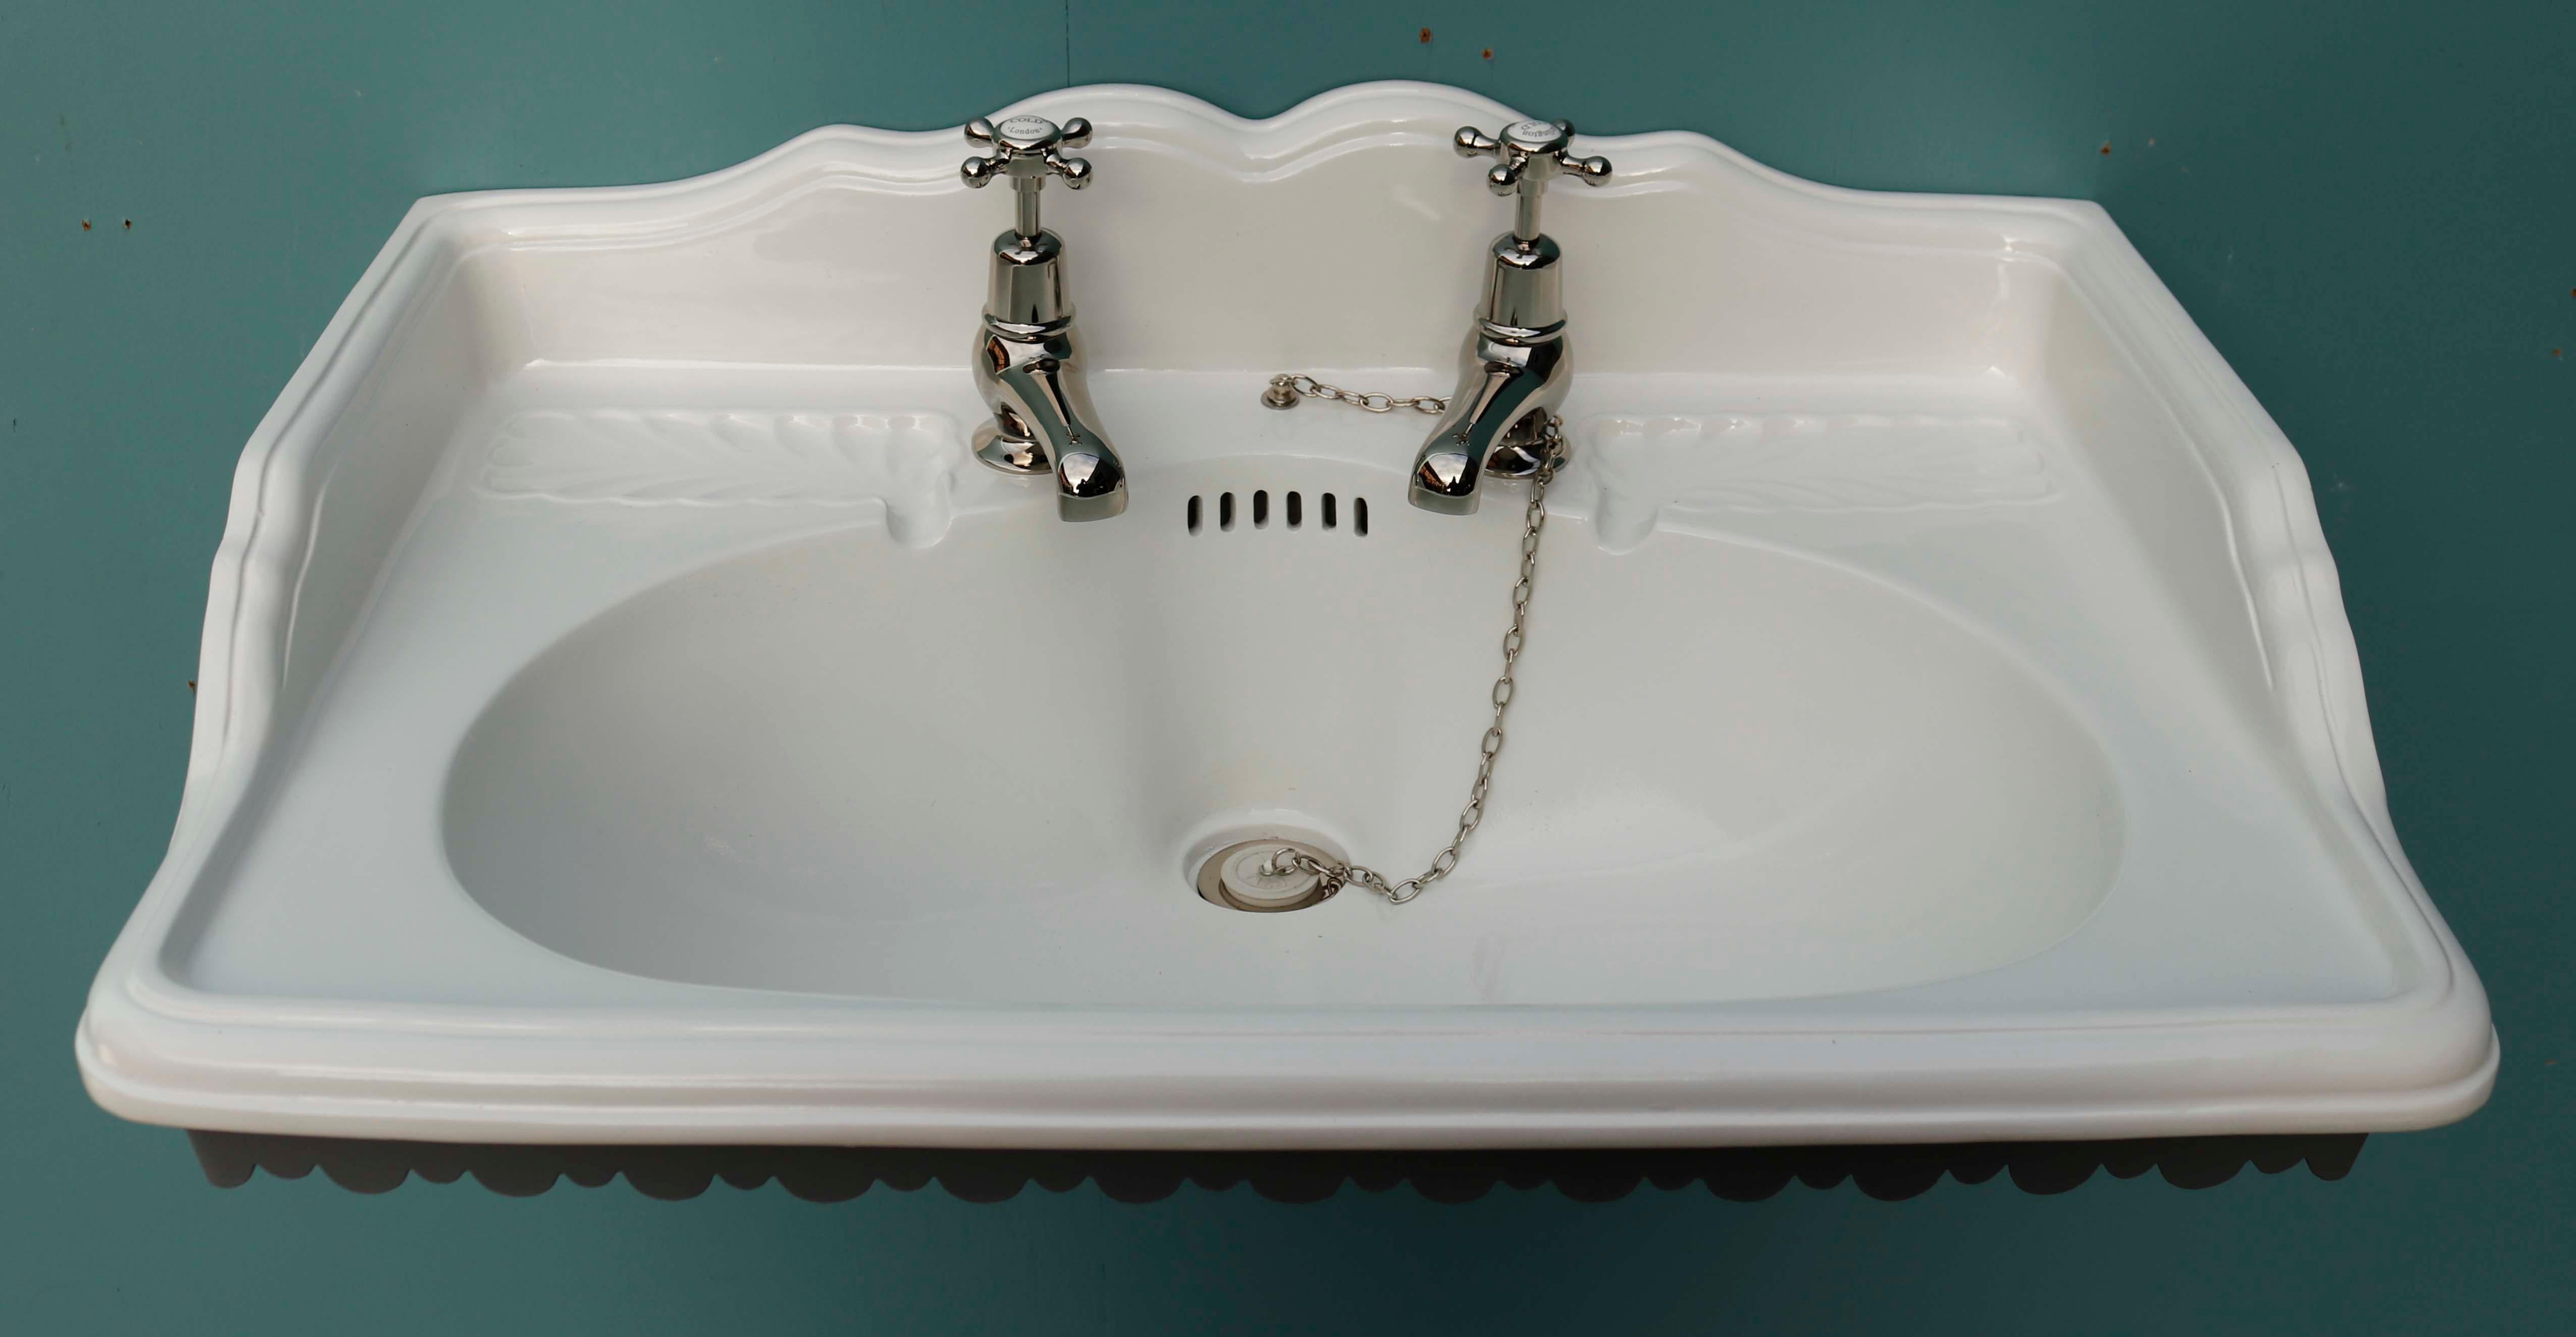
[[2373, 214]]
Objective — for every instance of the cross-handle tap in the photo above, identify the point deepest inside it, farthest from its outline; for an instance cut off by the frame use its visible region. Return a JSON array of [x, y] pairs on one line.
[[1533, 153], [1028, 150], [1027, 364], [1516, 367]]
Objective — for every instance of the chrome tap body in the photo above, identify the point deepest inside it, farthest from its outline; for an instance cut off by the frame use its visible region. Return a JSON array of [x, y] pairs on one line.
[[1515, 368], [1027, 364]]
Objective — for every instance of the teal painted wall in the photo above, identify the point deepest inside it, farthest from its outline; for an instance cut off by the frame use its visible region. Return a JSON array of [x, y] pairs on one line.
[[2373, 216]]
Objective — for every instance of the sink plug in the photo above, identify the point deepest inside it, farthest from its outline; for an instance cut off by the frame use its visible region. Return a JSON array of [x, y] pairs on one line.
[[1254, 875], [1028, 367]]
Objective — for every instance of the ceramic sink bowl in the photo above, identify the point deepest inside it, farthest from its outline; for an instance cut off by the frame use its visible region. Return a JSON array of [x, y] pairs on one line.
[[628, 713]]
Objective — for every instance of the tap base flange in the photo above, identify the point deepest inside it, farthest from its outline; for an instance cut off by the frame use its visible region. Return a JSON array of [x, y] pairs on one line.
[[1523, 450], [999, 449]]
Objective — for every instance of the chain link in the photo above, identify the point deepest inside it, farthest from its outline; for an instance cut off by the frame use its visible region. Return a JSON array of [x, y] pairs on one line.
[[1285, 389], [1337, 875]]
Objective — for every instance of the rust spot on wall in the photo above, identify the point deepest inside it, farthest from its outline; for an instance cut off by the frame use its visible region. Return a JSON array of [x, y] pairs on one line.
[[84, 225], [1489, 53], [1426, 37], [2106, 146]]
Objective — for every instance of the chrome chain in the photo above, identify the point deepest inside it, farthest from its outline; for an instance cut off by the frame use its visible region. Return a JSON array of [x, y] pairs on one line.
[[1285, 389], [1337, 875]]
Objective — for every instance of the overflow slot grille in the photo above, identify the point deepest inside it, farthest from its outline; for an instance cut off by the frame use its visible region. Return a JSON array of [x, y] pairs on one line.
[[1291, 511]]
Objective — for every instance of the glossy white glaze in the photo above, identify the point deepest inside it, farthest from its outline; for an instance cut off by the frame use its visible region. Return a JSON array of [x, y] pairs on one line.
[[626, 713]]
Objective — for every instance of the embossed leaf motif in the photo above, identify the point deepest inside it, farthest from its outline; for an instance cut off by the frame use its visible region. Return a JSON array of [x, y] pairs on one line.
[[668, 457], [714, 459], [1807, 462]]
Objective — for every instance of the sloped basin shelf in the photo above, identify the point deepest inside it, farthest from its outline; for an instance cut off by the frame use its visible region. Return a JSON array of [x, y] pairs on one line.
[[629, 717]]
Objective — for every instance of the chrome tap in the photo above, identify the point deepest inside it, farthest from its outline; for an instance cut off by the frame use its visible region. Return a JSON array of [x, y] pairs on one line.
[[1027, 365], [1515, 368]]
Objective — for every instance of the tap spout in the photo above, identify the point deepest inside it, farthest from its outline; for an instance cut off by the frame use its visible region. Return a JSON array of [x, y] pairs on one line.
[[1043, 421], [1510, 383]]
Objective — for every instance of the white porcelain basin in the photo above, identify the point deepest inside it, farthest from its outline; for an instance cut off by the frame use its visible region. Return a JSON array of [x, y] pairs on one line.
[[628, 714], [987, 771]]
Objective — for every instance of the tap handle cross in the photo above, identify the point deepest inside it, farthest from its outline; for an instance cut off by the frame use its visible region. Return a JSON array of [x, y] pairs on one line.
[[1028, 150], [1531, 154]]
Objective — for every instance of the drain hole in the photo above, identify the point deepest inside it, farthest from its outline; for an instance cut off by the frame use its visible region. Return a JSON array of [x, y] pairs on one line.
[[1261, 510], [1225, 511], [1359, 516], [1232, 877], [1296, 510], [1329, 518], [1194, 515]]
